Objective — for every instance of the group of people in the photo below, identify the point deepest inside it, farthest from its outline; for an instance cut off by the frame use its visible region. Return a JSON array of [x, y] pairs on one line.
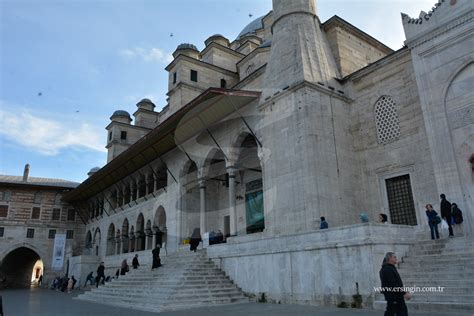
[[364, 218], [64, 284], [450, 214]]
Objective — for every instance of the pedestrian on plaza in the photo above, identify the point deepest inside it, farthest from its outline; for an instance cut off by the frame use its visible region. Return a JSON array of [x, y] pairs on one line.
[[124, 267], [445, 209], [364, 218], [135, 263], [74, 281], [456, 213], [89, 278], [117, 273], [156, 257], [195, 239], [100, 274], [70, 284], [392, 286], [324, 224], [433, 221], [64, 283], [383, 218], [40, 281]]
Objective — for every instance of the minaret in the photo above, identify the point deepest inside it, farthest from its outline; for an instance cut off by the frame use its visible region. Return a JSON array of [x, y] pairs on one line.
[[300, 51]]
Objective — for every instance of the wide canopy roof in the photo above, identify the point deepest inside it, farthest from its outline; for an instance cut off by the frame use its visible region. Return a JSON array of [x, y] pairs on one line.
[[205, 110]]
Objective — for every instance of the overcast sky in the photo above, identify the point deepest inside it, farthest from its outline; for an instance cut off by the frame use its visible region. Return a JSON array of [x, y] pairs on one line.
[[67, 65]]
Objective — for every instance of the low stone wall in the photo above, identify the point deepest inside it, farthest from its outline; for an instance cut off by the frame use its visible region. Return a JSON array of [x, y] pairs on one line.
[[324, 267]]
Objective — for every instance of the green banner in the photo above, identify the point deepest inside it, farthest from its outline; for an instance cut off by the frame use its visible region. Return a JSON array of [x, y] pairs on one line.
[[254, 210]]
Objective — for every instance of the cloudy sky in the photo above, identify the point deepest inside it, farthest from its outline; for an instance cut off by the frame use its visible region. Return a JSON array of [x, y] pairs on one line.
[[66, 65]]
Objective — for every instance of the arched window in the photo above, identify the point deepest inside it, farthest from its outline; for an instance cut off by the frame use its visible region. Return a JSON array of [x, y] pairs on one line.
[[38, 198], [386, 120]]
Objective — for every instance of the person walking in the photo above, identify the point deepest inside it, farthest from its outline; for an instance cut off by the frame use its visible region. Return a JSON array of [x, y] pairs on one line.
[[156, 257], [392, 287], [433, 221], [124, 267], [195, 239], [135, 263], [324, 224], [89, 278], [445, 209], [100, 274]]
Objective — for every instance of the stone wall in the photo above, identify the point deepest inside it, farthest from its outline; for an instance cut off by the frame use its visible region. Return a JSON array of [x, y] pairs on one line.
[[322, 268]]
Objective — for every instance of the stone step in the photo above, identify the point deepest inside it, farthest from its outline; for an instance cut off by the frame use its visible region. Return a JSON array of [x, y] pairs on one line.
[[228, 289], [421, 269], [439, 257], [162, 301]]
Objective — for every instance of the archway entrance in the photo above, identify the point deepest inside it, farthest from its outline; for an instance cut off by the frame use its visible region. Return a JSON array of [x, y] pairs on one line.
[[250, 172], [19, 268], [160, 226]]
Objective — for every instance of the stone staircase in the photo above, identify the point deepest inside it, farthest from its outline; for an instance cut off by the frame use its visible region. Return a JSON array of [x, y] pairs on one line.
[[186, 280], [447, 263]]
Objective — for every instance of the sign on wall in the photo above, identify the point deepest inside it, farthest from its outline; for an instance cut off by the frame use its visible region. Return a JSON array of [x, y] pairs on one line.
[[58, 251]]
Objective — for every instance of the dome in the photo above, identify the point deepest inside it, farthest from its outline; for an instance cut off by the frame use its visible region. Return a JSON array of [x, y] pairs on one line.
[[266, 44], [145, 102], [93, 170], [186, 46], [121, 113], [252, 27]]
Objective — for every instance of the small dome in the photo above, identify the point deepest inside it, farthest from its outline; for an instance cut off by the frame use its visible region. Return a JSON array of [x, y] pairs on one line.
[[187, 46], [93, 170], [146, 102], [252, 27], [217, 38], [266, 44], [121, 113]]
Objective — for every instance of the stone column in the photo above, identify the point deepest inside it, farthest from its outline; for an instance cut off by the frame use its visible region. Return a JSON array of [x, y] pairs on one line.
[[138, 188], [146, 240], [120, 245], [147, 184], [202, 192], [232, 208], [131, 191], [123, 196], [137, 238], [154, 232], [155, 186]]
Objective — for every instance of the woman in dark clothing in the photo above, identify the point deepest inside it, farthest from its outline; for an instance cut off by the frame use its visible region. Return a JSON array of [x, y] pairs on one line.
[[156, 257], [124, 268], [456, 213], [432, 221], [195, 239]]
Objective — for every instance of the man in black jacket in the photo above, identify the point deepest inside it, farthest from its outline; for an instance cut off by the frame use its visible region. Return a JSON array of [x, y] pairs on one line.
[[100, 274], [445, 209], [392, 287]]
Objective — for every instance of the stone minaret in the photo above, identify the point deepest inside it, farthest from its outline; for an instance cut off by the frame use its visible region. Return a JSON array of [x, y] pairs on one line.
[[304, 128], [300, 51]]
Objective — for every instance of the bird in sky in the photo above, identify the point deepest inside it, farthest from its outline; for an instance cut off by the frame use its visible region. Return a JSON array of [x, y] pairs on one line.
[[171, 34], [40, 94], [250, 15]]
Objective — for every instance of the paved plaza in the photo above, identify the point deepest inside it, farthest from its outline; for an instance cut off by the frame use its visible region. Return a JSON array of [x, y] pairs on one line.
[[47, 302]]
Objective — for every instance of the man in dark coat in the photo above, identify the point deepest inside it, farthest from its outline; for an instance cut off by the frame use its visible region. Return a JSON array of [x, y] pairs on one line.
[[156, 257], [135, 263], [100, 274], [446, 212], [392, 287], [195, 239]]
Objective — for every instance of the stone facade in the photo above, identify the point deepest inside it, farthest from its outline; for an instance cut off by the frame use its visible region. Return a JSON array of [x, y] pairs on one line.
[[33, 211], [291, 121]]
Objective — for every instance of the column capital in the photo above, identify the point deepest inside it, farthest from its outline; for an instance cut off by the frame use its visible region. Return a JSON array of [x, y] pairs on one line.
[[202, 183]]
